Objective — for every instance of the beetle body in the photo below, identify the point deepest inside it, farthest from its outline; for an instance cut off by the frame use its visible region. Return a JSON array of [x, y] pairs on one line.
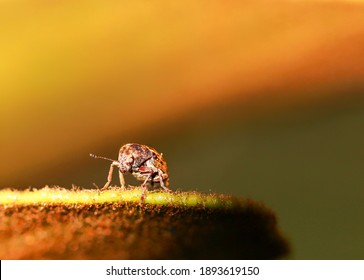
[[143, 162]]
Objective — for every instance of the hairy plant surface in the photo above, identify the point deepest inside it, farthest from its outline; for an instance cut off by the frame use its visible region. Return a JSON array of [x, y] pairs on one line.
[[54, 223]]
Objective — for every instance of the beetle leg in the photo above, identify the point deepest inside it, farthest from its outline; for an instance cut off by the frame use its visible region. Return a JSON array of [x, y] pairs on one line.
[[122, 180], [160, 174], [109, 177], [144, 188]]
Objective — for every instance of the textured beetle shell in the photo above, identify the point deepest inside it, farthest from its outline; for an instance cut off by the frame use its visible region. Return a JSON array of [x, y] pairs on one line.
[[140, 153], [158, 161]]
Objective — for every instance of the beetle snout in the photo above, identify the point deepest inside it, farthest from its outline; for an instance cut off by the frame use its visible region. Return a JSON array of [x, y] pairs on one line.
[[125, 168]]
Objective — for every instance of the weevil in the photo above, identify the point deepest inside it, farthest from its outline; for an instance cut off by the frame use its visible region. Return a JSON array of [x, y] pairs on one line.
[[143, 162]]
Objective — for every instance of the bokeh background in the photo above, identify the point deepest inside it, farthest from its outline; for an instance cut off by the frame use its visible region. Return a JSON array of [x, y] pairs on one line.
[[253, 98]]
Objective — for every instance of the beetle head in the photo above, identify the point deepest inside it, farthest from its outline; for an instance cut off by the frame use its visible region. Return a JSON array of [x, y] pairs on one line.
[[126, 162]]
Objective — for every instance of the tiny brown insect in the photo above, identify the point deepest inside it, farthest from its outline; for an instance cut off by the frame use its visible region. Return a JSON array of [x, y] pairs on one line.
[[143, 162]]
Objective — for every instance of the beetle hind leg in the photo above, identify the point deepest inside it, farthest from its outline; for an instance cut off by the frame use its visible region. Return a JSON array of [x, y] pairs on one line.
[[165, 178], [144, 188]]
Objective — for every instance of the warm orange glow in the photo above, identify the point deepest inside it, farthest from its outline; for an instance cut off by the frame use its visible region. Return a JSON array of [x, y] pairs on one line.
[[74, 73]]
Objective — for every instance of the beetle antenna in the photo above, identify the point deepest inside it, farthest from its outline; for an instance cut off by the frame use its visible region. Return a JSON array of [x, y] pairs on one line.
[[95, 156]]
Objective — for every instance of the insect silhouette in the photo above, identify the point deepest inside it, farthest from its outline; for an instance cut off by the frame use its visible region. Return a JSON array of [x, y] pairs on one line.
[[143, 162]]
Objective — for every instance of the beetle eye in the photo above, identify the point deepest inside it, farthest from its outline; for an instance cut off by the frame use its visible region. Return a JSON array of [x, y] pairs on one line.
[[130, 160]]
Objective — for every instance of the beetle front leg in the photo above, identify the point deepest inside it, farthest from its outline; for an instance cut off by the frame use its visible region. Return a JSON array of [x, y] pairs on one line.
[[109, 177], [122, 180]]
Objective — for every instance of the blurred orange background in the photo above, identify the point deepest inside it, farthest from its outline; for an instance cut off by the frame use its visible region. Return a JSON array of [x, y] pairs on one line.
[[254, 98]]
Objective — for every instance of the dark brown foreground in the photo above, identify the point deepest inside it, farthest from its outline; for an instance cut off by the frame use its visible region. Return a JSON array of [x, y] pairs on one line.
[[134, 231]]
